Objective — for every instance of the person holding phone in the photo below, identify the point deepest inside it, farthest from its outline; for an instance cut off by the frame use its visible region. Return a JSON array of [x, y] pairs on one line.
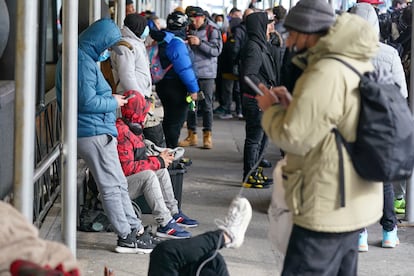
[[324, 236], [96, 142], [148, 174], [257, 64]]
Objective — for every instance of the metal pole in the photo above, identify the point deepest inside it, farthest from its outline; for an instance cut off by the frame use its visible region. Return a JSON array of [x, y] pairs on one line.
[[94, 10], [409, 195], [41, 67], [120, 13], [69, 121], [24, 125]]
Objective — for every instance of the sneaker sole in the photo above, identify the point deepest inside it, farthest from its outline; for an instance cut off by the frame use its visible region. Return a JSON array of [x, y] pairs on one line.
[[248, 185], [163, 235], [187, 225], [363, 248], [126, 250], [388, 244], [399, 211]]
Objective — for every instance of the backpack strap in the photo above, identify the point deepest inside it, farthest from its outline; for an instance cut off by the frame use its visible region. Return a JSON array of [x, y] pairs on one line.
[[340, 140], [126, 44], [347, 65]]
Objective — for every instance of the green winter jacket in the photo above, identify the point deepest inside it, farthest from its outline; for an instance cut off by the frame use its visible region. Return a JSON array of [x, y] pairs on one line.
[[326, 96]]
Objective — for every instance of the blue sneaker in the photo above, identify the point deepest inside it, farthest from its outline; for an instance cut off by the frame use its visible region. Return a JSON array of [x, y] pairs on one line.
[[172, 231], [184, 221], [390, 238], [363, 241]]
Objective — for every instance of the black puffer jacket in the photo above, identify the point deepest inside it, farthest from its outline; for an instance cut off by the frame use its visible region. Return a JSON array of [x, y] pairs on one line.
[[256, 59]]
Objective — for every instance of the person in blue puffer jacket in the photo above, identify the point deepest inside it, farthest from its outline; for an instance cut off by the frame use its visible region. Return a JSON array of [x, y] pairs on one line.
[[96, 142], [180, 80]]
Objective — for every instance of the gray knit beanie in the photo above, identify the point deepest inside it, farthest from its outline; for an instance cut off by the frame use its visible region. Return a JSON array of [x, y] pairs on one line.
[[310, 16]]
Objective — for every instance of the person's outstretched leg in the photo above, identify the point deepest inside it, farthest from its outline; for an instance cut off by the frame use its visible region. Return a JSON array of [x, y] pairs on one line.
[[173, 257]]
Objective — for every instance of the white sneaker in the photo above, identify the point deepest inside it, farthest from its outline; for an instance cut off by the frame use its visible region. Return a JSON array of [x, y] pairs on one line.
[[226, 116], [236, 222]]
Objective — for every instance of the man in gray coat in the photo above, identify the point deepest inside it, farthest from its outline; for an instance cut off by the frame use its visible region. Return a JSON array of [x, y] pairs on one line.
[[206, 44]]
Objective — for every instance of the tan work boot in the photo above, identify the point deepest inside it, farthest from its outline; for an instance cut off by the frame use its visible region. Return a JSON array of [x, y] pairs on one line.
[[191, 139], [207, 143]]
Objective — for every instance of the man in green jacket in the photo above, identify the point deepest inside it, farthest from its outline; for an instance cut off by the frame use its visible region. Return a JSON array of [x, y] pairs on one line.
[[324, 238]]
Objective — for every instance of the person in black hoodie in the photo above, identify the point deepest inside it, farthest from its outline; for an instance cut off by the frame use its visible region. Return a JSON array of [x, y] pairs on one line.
[[258, 64]]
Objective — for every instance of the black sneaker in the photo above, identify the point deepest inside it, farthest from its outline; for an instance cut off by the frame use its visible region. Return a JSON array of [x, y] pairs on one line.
[[266, 180], [265, 163], [135, 244], [149, 236], [253, 181]]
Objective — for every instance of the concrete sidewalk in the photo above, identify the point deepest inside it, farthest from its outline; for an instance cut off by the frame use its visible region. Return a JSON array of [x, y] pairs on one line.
[[210, 184]]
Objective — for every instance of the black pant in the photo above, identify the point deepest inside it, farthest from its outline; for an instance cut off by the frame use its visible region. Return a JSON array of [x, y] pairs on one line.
[[172, 94], [388, 219], [256, 139], [183, 257], [322, 254]]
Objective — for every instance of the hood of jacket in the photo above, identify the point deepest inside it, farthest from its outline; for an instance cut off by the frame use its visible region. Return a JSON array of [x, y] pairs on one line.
[[256, 26], [363, 46], [367, 12], [126, 32], [136, 109], [93, 43]]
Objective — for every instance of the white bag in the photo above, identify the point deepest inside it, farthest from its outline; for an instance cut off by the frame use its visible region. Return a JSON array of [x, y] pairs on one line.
[[280, 218]]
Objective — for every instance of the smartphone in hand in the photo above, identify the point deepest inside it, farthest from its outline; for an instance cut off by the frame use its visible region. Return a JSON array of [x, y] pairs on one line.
[[129, 97], [252, 85]]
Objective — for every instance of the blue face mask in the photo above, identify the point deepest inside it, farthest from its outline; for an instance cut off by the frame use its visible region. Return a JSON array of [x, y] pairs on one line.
[[104, 55], [145, 33], [219, 24]]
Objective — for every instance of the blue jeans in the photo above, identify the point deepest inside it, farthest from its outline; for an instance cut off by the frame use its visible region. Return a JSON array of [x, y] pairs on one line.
[[256, 139], [172, 93], [206, 106], [227, 94]]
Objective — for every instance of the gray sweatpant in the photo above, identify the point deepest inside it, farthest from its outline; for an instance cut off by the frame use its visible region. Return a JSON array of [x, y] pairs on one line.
[[101, 156], [158, 192]]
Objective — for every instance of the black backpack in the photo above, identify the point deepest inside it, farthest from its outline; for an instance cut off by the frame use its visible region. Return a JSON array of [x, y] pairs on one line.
[[384, 147]]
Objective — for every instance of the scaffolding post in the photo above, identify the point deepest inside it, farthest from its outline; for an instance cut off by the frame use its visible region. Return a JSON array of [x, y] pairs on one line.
[[69, 122], [25, 101]]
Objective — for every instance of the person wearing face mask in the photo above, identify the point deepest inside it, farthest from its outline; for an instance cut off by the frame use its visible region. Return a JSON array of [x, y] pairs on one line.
[[132, 71], [324, 237], [96, 142]]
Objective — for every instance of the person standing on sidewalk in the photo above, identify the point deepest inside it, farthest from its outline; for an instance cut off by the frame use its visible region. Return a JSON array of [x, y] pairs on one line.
[[206, 45], [180, 81], [97, 134], [324, 237], [258, 64], [132, 71], [387, 59]]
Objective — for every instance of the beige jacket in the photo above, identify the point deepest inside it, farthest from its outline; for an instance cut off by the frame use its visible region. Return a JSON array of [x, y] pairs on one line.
[[19, 239], [326, 96]]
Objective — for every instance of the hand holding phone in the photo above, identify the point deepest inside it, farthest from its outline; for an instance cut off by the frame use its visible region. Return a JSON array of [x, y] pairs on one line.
[[253, 86], [129, 97]]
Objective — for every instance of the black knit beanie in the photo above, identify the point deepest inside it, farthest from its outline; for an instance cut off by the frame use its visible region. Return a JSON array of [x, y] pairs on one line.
[[136, 23]]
